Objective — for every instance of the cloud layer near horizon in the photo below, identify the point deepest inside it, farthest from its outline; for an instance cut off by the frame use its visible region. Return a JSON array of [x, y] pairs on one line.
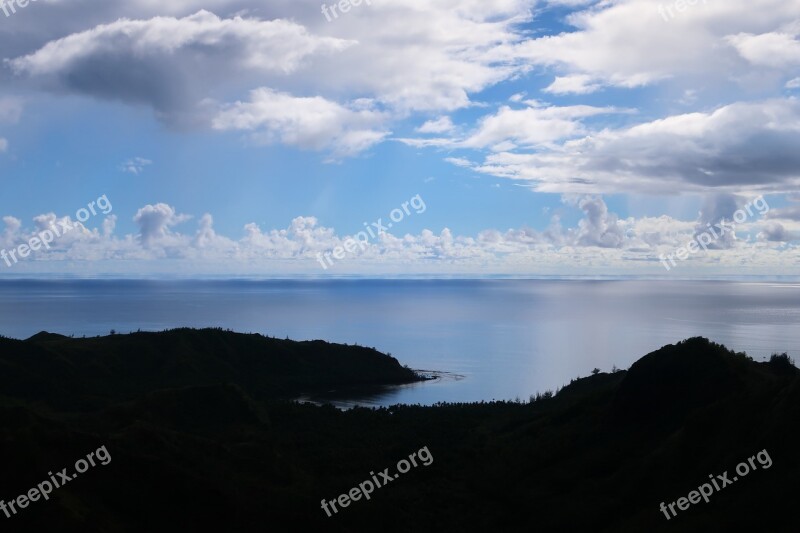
[[600, 239]]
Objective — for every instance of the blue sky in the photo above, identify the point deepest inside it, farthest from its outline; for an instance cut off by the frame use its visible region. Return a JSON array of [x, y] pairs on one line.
[[235, 137]]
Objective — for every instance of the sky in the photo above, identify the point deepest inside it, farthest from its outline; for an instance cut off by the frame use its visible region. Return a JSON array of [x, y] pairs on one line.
[[400, 137]]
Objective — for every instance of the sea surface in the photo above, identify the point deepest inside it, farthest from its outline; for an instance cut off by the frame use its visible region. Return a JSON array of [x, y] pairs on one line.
[[489, 339]]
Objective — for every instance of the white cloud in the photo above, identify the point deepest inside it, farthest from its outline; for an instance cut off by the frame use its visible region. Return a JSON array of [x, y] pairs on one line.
[[11, 231], [170, 63], [576, 84], [599, 227], [628, 43], [276, 45], [533, 126], [459, 161], [440, 125], [310, 123], [155, 222], [743, 146], [776, 232], [135, 166], [456, 48], [777, 50], [716, 208]]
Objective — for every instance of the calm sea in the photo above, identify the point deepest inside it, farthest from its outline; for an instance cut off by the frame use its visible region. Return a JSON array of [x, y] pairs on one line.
[[495, 339]]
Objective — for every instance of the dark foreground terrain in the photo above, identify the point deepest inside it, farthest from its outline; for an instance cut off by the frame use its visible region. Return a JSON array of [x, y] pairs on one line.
[[201, 437]]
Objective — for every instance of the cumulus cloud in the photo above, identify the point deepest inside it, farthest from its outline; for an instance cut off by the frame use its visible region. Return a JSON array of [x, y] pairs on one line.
[[11, 230], [776, 232], [311, 123], [774, 49], [632, 43], [750, 146], [717, 208], [457, 48], [439, 125], [575, 84], [109, 224], [155, 222], [599, 227], [166, 62], [535, 125], [205, 232], [276, 45]]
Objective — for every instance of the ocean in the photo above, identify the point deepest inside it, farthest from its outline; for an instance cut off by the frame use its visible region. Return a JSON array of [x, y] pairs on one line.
[[490, 339]]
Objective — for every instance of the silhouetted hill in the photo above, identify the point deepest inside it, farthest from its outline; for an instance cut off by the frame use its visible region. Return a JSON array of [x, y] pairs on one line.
[[200, 439], [664, 386], [45, 336], [86, 373]]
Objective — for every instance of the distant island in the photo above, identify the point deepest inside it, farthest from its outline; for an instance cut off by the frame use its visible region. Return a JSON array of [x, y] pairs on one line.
[[203, 435]]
